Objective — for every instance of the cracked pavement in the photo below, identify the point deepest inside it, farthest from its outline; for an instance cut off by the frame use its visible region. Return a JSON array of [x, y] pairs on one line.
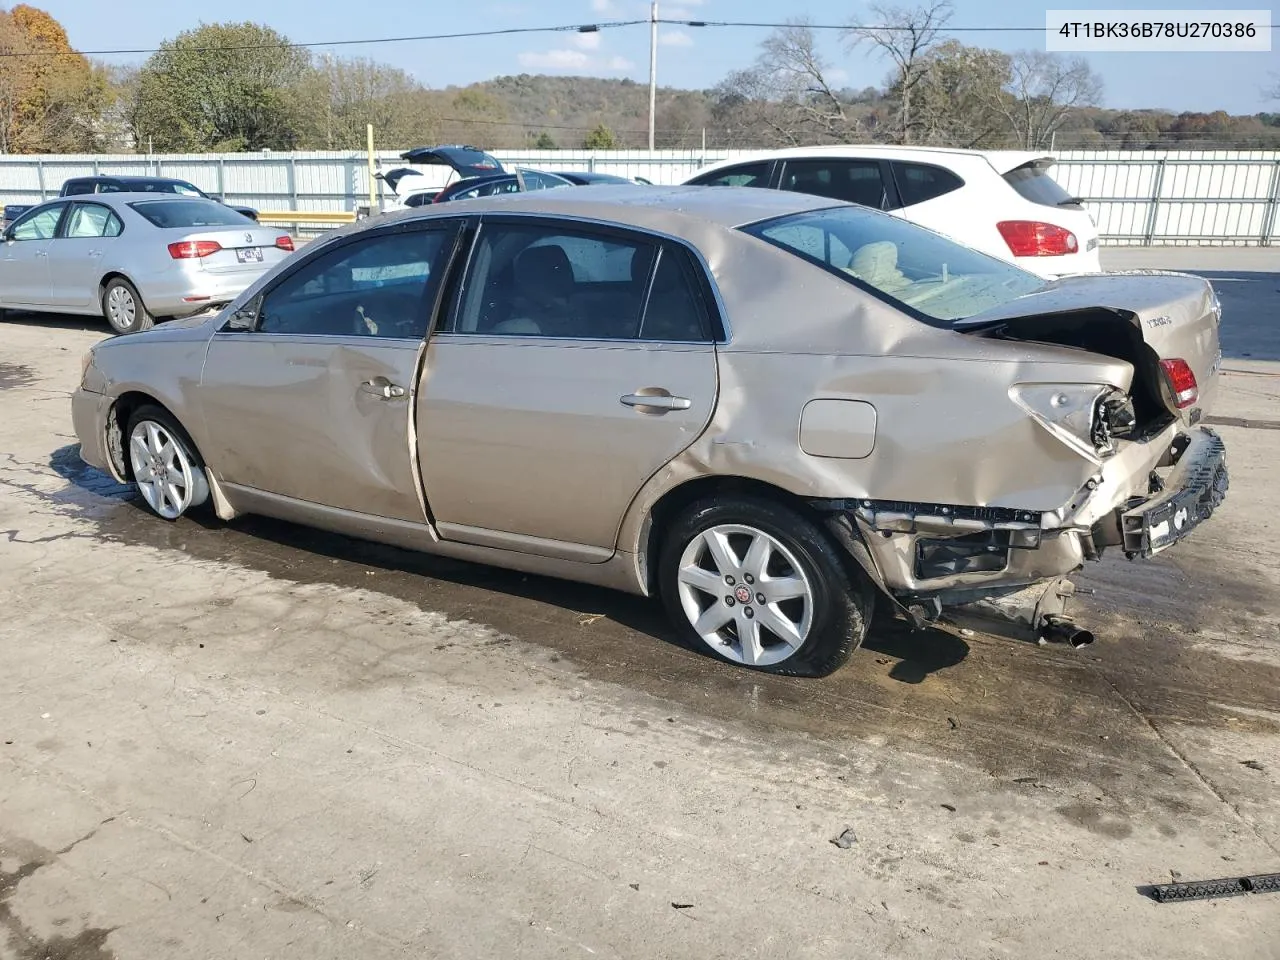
[[224, 740]]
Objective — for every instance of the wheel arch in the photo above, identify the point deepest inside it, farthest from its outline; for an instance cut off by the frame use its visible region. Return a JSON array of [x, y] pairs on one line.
[[668, 506], [122, 408], [114, 275]]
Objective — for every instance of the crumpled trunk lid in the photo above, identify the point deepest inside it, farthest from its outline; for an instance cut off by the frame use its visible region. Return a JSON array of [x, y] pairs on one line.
[[1141, 317]]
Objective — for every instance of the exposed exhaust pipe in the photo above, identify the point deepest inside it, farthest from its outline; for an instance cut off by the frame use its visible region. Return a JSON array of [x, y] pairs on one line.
[[1063, 630]]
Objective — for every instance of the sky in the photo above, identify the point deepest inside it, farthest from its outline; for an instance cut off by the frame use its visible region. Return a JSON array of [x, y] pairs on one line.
[[687, 56]]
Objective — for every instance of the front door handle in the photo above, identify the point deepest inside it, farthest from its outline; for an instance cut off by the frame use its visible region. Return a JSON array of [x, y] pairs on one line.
[[382, 388], [656, 402]]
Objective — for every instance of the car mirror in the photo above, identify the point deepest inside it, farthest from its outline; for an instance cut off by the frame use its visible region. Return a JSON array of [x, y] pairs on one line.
[[245, 319]]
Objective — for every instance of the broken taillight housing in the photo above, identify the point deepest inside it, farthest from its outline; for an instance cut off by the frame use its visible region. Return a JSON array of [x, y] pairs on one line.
[[1032, 238], [1070, 411], [1182, 382]]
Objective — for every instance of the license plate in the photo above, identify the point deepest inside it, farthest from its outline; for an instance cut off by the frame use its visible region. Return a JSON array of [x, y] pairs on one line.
[[249, 254]]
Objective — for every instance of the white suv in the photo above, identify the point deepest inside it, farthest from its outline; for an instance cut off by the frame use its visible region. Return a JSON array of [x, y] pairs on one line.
[[1002, 202]]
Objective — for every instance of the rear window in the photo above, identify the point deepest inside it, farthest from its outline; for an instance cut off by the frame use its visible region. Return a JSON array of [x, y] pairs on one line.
[[1032, 181], [167, 214], [926, 275]]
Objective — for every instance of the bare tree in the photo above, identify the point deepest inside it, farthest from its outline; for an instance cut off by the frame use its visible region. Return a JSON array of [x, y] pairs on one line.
[[904, 35], [1044, 90], [786, 96]]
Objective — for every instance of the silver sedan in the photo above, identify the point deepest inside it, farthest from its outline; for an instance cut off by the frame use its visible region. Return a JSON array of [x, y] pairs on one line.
[[133, 258]]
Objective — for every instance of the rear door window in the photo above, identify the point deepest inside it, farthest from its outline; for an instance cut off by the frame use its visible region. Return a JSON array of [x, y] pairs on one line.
[[918, 182], [855, 181], [743, 175], [90, 220], [675, 308], [1032, 181], [545, 280]]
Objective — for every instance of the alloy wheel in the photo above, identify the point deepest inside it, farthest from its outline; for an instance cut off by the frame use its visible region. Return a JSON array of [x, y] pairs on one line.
[[746, 594], [161, 468]]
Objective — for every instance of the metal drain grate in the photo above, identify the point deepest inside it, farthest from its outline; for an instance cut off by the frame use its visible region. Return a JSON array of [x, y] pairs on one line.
[[1209, 889]]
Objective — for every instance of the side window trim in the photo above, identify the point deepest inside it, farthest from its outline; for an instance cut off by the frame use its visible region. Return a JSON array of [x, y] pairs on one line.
[[892, 195]]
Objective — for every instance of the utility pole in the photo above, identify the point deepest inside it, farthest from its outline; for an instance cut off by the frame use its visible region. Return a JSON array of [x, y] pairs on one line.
[[653, 67]]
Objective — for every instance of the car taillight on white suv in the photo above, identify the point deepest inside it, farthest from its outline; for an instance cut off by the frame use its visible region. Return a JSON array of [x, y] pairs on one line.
[[1034, 238]]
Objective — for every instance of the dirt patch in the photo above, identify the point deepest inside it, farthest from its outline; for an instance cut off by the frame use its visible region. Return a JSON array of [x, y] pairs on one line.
[[15, 375], [88, 944]]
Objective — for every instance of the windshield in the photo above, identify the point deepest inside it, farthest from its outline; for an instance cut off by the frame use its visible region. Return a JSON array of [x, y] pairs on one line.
[[932, 278], [189, 213]]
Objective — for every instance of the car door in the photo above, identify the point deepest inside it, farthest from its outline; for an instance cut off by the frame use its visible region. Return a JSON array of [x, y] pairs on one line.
[[86, 236], [24, 261], [576, 362], [306, 392]]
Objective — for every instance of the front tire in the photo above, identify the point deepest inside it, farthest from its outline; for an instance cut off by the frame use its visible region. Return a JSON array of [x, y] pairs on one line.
[[757, 584], [123, 309], [166, 468]]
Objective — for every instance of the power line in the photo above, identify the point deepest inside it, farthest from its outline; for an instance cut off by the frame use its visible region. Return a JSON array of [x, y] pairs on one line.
[[503, 32], [564, 28]]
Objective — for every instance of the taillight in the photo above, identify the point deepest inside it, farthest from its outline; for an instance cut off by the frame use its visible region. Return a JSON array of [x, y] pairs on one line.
[[1182, 382], [284, 243], [193, 249], [1031, 238]]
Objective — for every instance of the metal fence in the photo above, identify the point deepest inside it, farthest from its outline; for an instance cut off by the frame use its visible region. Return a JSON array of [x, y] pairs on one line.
[[1137, 197]]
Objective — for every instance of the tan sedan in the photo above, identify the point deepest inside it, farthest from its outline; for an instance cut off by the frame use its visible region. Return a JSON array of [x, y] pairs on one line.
[[769, 409]]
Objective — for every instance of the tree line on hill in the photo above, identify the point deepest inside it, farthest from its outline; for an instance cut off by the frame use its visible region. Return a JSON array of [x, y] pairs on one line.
[[245, 86]]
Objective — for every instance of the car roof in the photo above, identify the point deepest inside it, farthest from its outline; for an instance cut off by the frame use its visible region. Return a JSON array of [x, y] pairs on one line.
[[124, 197], [1002, 160], [667, 209], [130, 178]]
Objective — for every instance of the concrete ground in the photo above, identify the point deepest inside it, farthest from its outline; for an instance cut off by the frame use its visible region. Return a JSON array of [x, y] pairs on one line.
[[253, 740]]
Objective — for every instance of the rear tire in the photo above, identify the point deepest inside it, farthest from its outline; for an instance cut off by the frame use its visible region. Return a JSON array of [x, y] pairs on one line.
[[123, 309], [759, 585]]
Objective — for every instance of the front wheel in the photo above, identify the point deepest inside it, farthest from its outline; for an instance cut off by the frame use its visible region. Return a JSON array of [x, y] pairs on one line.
[[166, 467], [123, 308], [758, 584]]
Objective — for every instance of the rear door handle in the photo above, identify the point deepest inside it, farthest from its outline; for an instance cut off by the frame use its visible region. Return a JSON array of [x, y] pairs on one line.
[[657, 402], [382, 388], [42, 253], [95, 253]]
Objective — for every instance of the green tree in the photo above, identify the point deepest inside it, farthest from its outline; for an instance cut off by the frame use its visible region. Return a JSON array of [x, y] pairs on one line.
[[340, 97], [229, 86], [544, 142], [50, 96], [601, 138]]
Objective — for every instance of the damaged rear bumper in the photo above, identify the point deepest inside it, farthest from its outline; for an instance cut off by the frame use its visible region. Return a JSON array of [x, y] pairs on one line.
[[929, 557], [1195, 488]]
